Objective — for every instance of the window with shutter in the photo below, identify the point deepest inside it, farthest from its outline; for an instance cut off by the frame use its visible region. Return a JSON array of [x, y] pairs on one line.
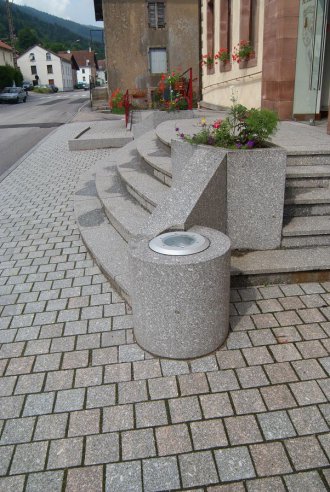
[[156, 14], [158, 60]]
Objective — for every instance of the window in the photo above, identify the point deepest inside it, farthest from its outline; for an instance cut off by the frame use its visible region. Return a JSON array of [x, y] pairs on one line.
[[210, 27], [249, 25], [84, 79], [226, 29], [156, 14], [51, 81], [82, 70], [48, 56], [49, 68], [33, 69], [31, 56], [158, 60]]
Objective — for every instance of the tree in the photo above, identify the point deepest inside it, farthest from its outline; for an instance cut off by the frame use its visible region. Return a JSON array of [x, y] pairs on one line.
[[8, 75], [26, 38]]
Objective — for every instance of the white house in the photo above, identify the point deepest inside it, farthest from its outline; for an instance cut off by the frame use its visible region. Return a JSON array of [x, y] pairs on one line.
[[42, 66], [88, 65], [6, 54]]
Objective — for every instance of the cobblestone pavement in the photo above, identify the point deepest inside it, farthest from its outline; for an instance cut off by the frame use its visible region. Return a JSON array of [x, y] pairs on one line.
[[83, 408]]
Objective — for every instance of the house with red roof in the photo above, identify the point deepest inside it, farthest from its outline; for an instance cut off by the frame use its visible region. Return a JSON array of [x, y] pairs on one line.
[[6, 54]]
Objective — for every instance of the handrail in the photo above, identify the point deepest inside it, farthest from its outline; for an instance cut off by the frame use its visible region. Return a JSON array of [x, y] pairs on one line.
[[189, 92], [127, 106]]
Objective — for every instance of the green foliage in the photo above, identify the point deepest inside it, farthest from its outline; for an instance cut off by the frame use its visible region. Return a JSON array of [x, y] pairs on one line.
[[41, 90], [49, 29], [242, 129], [8, 75], [26, 38]]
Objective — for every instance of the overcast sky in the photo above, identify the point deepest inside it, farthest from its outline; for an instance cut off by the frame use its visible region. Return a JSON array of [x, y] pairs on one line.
[[81, 11]]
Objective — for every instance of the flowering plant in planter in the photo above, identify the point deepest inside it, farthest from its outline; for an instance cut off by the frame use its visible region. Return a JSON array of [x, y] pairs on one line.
[[207, 60], [116, 102], [222, 55], [243, 128], [243, 51]]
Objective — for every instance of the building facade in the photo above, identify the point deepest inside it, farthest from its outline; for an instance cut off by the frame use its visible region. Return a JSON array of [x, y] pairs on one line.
[[41, 66], [88, 66], [144, 39], [6, 54], [289, 68]]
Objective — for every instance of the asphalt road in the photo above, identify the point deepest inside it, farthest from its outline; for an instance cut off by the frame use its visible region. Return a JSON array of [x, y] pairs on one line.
[[23, 125]]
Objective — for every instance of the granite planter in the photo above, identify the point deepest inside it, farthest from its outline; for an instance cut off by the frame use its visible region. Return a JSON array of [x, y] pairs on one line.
[[181, 303], [254, 182]]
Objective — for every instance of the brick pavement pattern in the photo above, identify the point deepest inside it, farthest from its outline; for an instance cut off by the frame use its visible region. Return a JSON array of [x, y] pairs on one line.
[[82, 407]]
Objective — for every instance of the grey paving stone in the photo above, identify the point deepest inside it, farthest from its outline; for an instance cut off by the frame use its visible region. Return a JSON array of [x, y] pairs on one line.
[[269, 306], [84, 422], [138, 444], [35, 347], [150, 414], [117, 309], [39, 404], [110, 339], [257, 355], [285, 352], [262, 337], [29, 458], [281, 372], [102, 448], [90, 341], [91, 376], [251, 377], [185, 409], [173, 439], [241, 323], [73, 360], [160, 474], [197, 469], [103, 356], [59, 380], [308, 420], [133, 391], [6, 453], [246, 308], [7, 385], [87, 479], [130, 353], [278, 397], [124, 477], [40, 482], [21, 365], [216, 405], [238, 340], [50, 427], [64, 344], [12, 484], [64, 453], [308, 369], [230, 359], [222, 380], [51, 331], [146, 369], [17, 430], [247, 401], [29, 383], [75, 327], [193, 384], [70, 400], [160, 388], [325, 386], [243, 430], [274, 453], [47, 362], [311, 349], [304, 481], [174, 367], [266, 320], [119, 417], [101, 396], [276, 425], [117, 373], [234, 464], [208, 434], [265, 485], [307, 392], [306, 453], [122, 322]]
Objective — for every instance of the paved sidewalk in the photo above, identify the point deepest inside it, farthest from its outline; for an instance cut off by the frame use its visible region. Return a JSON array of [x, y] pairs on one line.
[[83, 408]]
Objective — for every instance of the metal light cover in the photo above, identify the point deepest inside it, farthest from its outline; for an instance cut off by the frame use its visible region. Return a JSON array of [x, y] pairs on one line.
[[179, 243]]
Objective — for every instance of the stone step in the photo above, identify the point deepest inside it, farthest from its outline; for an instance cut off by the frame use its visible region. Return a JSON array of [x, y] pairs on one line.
[[314, 196], [306, 210], [305, 241], [307, 226], [308, 158], [307, 176], [123, 212], [156, 155], [146, 189]]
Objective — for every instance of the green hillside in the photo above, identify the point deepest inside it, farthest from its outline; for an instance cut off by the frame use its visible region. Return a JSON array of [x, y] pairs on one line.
[[32, 26]]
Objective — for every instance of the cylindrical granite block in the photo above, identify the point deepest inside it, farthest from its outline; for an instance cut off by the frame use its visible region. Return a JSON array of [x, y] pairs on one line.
[[181, 303]]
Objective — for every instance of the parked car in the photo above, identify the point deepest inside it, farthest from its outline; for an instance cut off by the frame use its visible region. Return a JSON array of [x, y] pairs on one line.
[[13, 94], [27, 85], [82, 85], [47, 87], [53, 88]]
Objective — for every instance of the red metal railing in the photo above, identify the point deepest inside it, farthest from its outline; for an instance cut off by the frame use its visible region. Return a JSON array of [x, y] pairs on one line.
[[188, 92], [127, 106]]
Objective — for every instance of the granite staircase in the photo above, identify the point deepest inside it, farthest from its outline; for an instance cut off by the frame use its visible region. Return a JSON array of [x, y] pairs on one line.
[[114, 200], [307, 201]]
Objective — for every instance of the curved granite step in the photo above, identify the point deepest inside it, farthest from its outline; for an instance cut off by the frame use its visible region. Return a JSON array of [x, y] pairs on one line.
[[102, 240], [146, 189], [312, 196], [156, 155]]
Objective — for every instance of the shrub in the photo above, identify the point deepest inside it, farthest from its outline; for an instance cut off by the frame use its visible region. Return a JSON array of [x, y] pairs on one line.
[[116, 102], [8, 75]]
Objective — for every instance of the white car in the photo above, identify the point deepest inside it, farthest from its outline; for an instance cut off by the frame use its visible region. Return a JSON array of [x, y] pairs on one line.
[[13, 94]]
